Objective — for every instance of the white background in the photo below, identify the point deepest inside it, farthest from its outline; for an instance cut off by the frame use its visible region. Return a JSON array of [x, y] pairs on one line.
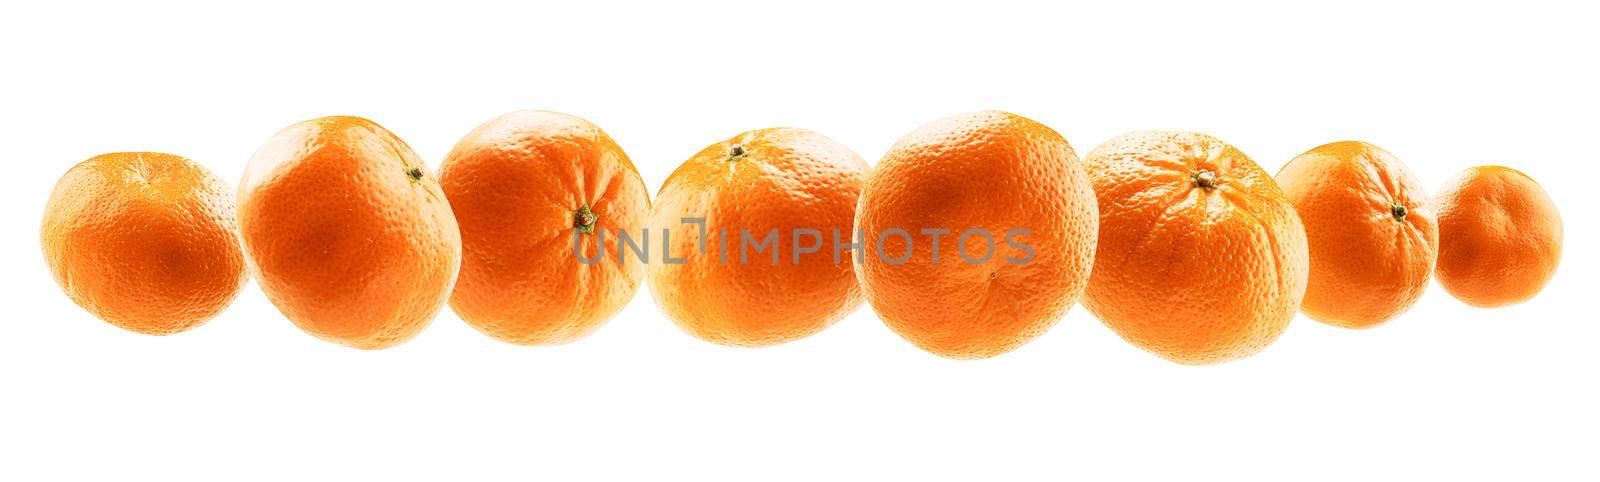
[[1445, 392]]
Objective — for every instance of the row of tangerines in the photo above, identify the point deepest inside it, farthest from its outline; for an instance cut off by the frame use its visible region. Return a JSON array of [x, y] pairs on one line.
[[1177, 241]]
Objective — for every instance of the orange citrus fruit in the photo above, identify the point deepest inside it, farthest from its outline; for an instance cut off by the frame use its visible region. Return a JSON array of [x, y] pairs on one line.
[[350, 236], [1201, 258], [526, 187], [1499, 236], [978, 233], [1372, 236], [757, 268], [144, 241]]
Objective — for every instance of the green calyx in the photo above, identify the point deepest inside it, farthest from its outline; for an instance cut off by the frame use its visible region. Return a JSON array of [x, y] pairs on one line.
[[583, 219]]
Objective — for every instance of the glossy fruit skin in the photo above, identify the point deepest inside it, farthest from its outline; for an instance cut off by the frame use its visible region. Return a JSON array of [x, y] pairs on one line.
[[349, 234], [1499, 237], [993, 170], [1372, 235], [144, 241], [1201, 258], [519, 185], [780, 179]]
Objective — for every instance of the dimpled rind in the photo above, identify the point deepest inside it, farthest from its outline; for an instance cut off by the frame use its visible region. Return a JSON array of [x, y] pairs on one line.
[[782, 179], [515, 184], [1499, 237], [349, 234], [1369, 260], [997, 172], [1195, 275], [144, 241]]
